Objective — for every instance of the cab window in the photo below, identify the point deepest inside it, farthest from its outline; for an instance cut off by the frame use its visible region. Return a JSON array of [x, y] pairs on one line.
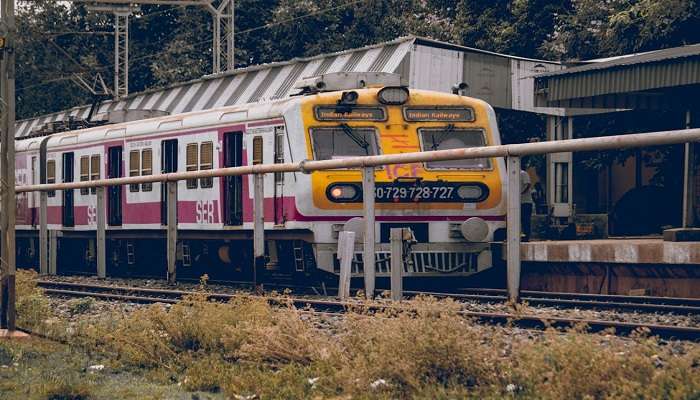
[[343, 141], [449, 138]]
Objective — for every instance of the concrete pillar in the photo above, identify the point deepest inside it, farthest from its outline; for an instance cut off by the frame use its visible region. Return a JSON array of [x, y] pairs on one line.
[[101, 248], [43, 234], [397, 236], [53, 252], [258, 224], [172, 231], [513, 229], [346, 251]]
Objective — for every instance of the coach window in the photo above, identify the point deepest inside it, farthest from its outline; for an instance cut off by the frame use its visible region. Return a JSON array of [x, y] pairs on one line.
[[51, 175], [191, 163], [146, 168], [94, 170], [134, 169], [206, 161], [84, 173], [343, 141], [450, 138]]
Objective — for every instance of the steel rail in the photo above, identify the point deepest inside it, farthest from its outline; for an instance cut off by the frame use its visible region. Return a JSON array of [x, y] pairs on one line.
[[569, 300], [336, 307], [565, 300], [682, 301], [308, 166]]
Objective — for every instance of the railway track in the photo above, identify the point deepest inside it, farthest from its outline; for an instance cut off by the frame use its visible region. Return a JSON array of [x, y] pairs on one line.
[[673, 305], [325, 306]]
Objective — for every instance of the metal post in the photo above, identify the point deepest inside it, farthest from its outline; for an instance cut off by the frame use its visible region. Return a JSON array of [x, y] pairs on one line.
[[172, 231], [7, 164], [346, 250], [231, 38], [258, 224], [513, 228], [216, 37], [396, 237], [53, 251], [688, 180], [368, 256], [43, 234], [101, 222]]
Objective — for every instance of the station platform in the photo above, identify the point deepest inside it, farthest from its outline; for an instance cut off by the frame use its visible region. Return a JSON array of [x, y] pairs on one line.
[[619, 251], [646, 266]]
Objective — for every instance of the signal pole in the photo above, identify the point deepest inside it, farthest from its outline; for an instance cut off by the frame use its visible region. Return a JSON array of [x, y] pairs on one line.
[[7, 165]]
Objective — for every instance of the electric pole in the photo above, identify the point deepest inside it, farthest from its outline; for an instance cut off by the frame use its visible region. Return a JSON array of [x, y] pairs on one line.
[[121, 44], [223, 33], [7, 164]]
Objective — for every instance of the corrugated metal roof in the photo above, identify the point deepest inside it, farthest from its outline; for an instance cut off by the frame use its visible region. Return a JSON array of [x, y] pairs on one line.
[[247, 85], [623, 82], [631, 59]]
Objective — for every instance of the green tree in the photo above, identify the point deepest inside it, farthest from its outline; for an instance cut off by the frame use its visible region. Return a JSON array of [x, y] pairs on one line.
[[610, 28]]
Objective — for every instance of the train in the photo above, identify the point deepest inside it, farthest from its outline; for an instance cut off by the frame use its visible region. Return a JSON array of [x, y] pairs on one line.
[[455, 209]]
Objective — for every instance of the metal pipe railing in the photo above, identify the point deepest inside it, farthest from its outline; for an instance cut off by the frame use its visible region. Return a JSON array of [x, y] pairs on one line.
[[307, 166], [512, 152]]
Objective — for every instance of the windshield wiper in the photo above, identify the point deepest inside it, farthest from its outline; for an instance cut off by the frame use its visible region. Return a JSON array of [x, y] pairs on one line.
[[360, 141], [436, 143]]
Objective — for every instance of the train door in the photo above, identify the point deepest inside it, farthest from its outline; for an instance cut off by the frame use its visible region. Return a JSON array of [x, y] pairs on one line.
[[68, 210], [233, 185], [34, 196], [114, 170], [279, 176], [168, 163]]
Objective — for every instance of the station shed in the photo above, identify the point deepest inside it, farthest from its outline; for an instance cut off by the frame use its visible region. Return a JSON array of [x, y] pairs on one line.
[[660, 87], [504, 81]]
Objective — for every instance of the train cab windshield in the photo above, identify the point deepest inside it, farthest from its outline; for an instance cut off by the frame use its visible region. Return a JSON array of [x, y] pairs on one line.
[[343, 141], [450, 138]]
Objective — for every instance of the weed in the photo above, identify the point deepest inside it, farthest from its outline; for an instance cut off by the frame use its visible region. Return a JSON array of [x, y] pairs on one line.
[[32, 306], [80, 305], [62, 390]]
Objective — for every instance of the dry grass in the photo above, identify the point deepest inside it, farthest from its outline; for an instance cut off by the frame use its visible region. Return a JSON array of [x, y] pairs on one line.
[[247, 348], [32, 306]]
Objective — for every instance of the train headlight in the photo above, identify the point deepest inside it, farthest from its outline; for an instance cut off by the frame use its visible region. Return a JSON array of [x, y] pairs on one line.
[[342, 192], [470, 192], [475, 229], [393, 95]]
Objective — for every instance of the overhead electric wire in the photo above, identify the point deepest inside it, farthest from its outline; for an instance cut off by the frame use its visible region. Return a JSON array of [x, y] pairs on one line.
[[261, 27]]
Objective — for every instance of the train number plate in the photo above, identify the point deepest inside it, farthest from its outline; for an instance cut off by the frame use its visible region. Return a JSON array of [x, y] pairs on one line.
[[411, 192], [399, 192]]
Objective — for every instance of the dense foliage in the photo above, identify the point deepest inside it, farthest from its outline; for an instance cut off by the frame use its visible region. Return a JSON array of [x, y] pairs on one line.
[[170, 43]]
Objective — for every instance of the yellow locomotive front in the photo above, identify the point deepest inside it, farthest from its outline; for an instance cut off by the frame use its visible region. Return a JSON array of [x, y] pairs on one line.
[[454, 208]]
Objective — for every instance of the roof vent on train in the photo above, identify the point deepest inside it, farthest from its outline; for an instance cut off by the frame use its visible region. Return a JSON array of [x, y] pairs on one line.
[[119, 116], [337, 81], [69, 124]]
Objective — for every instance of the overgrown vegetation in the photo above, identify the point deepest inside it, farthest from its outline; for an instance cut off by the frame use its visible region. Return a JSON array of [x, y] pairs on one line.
[[248, 348], [32, 306]]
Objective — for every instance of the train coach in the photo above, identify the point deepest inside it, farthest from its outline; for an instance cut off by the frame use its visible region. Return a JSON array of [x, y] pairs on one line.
[[455, 209]]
